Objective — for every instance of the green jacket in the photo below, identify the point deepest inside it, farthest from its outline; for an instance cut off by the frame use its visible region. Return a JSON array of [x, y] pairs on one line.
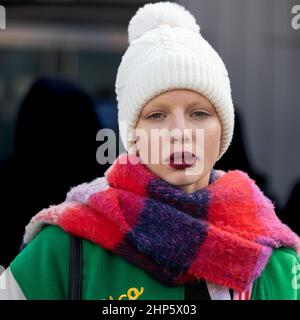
[[40, 271]]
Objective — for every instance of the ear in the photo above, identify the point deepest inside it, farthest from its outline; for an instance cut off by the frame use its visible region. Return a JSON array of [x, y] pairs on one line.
[[136, 145], [136, 149]]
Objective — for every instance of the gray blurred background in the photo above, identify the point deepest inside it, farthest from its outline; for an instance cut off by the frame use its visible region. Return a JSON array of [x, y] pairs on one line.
[[84, 42]]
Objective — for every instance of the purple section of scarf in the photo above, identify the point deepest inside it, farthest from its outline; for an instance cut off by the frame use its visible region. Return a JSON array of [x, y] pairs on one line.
[[169, 219], [194, 204], [129, 252], [173, 220], [175, 236]]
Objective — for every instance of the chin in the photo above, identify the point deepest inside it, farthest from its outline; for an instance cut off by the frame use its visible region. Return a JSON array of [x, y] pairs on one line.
[[180, 178]]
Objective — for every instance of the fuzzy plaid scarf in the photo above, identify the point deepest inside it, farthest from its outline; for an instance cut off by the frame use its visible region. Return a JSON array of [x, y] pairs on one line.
[[223, 233]]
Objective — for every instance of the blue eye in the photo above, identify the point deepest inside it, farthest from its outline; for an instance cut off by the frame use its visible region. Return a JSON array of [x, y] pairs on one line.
[[200, 114], [156, 115]]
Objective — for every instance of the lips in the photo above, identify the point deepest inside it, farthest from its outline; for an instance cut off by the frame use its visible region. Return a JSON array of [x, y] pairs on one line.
[[181, 160]]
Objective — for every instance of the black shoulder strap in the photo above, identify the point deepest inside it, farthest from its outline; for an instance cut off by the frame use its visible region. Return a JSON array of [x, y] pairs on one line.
[[196, 290], [231, 293], [75, 268]]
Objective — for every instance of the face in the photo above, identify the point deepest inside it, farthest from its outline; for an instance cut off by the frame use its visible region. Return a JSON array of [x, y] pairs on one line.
[[180, 113]]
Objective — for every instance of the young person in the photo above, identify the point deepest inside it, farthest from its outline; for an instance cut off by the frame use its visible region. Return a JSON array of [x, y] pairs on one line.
[[167, 229]]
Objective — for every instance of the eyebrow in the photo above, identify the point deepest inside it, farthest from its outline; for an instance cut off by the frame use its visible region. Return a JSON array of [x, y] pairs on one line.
[[192, 104]]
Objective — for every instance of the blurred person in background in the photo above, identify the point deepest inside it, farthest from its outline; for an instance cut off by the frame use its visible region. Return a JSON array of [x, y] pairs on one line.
[[55, 148]]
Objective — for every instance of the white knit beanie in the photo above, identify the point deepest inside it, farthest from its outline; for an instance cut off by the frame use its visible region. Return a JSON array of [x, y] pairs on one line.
[[166, 51]]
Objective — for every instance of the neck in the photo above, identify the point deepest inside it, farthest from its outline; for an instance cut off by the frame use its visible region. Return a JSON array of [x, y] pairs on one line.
[[199, 184]]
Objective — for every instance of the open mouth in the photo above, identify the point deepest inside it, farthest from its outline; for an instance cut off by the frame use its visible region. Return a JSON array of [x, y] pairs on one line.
[[182, 160]]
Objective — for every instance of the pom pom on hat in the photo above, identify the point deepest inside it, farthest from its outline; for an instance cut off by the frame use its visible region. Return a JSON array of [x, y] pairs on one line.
[[152, 15]]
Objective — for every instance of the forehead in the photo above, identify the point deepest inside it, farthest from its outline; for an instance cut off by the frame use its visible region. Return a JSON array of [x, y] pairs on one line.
[[179, 97]]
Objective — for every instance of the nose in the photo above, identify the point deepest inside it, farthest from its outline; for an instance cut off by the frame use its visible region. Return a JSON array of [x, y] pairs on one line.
[[180, 131]]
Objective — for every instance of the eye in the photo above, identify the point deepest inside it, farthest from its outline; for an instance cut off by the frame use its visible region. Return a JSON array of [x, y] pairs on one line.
[[156, 115], [199, 114]]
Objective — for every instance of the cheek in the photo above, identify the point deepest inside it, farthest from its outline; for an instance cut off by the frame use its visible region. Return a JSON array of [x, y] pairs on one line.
[[149, 143], [212, 139], [145, 144]]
